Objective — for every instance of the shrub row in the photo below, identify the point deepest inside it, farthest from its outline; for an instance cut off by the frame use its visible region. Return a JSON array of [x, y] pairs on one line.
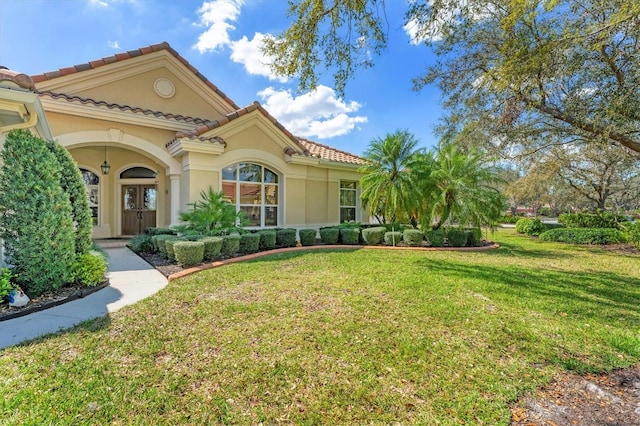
[[592, 220], [530, 226], [584, 235], [454, 237]]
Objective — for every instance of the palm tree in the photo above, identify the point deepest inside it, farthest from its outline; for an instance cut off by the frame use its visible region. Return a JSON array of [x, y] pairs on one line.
[[465, 188], [389, 186]]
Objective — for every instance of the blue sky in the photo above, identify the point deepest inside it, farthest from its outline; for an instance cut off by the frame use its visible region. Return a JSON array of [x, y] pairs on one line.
[[220, 38]]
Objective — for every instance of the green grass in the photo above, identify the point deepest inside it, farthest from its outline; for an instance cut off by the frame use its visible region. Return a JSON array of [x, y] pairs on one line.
[[343, 337]]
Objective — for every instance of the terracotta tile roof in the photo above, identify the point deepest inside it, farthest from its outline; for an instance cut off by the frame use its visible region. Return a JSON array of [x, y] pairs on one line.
[[128, 55], [114, 106], [21, 80], [329, 153]]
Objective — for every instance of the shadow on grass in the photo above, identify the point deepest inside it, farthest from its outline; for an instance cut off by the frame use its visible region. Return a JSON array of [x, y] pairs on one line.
[[277, 257], [520, 251], [604, 295]]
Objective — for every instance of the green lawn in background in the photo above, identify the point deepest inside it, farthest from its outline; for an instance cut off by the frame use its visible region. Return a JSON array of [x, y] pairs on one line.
[[339, 337]]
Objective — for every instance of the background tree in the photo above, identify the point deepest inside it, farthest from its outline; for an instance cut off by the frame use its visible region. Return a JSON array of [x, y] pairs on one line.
[[73, 184], [526, 72], [390, 184], [35, 215]]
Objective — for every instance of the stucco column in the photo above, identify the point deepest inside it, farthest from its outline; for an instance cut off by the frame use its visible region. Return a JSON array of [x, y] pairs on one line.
[[174, 192]]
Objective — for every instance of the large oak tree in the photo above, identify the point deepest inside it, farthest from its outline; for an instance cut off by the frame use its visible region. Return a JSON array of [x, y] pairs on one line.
[[528, 73]]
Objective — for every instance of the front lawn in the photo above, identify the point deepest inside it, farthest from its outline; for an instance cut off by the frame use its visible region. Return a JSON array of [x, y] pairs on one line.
[[343, 337]]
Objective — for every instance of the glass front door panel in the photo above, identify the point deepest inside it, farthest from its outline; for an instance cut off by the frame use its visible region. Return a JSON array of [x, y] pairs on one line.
[[130, 198], [150, 198]]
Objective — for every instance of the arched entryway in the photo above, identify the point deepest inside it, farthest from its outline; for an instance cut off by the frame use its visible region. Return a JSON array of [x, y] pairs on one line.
[[139, 200]]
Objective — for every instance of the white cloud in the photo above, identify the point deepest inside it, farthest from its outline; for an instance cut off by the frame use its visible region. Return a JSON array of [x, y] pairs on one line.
[[314, 114], [217, 16], [99, 3], [249, 53], [113, 44]]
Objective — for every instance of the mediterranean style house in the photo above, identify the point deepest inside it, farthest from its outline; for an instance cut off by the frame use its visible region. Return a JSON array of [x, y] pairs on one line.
[[149, 133]]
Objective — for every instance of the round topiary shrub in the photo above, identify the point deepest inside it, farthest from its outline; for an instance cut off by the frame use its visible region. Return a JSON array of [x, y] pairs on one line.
[[412, 237], [267, 240], [249, 243], [435, 238], [230, 245], [530, 226], [307, 237], [392, 238], [457, 237], [286, 237], [350, 236], [474, 237], [329, 236], [374, 236], [212, 247], [189, 253]]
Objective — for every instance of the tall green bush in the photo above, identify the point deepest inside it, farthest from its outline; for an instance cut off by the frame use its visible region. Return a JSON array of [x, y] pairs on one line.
[[211, 215], [602, 219], [35, 215], [72, 183]]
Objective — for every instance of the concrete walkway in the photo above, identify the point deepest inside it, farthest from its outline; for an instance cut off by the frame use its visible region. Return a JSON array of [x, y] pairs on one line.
[[130, 279]]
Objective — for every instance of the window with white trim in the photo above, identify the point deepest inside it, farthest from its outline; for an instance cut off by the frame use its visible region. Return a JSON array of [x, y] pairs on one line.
[[253, 189], [92, 186], [348, 201]]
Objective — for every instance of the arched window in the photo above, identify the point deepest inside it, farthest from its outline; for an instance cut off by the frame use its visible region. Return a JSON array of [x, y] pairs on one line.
[[253, 189], [92, 185]]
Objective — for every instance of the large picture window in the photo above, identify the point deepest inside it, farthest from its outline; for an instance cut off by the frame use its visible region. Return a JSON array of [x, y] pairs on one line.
[[253, 189], [92, 185], [348, 201]]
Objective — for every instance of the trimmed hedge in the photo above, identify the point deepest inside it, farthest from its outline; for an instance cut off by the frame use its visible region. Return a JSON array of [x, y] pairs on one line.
[[530, 226], [584, 235], [330, 236], [212, 247], [435, 238], [160, 231], [474, 237], [160, 241], [286, 237], [249, 243], [267, 240], [169, 248], [457, 237], [189, 253], [412, 237], [374, 236], [89, 268], [592, 220], [392, 238], [142, 243], [350, 236], [230, 245], [307, 237]]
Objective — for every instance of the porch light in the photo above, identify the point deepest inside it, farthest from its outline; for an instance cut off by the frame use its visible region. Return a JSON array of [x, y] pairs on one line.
[[105, 167]]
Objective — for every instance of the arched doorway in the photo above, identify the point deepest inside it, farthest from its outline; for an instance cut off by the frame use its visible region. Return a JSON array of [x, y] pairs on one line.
[[139, 200]]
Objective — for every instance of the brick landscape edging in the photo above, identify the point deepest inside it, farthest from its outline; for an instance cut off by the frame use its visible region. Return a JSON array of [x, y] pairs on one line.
[[219, 263]]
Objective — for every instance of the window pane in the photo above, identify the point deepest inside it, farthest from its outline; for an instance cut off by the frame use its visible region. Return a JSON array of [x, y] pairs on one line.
[[270, 216], [89, 178], [271, 194], [346, 184], [229, 189], [251, 215], [250, 193], [347, 214], [130, 198], [138, 173], [347, 198], [150, 198], [229, 173], [250, 173], [269, 176]]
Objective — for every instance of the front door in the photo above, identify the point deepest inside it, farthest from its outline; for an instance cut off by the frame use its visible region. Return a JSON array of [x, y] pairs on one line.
[[138, 208]]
